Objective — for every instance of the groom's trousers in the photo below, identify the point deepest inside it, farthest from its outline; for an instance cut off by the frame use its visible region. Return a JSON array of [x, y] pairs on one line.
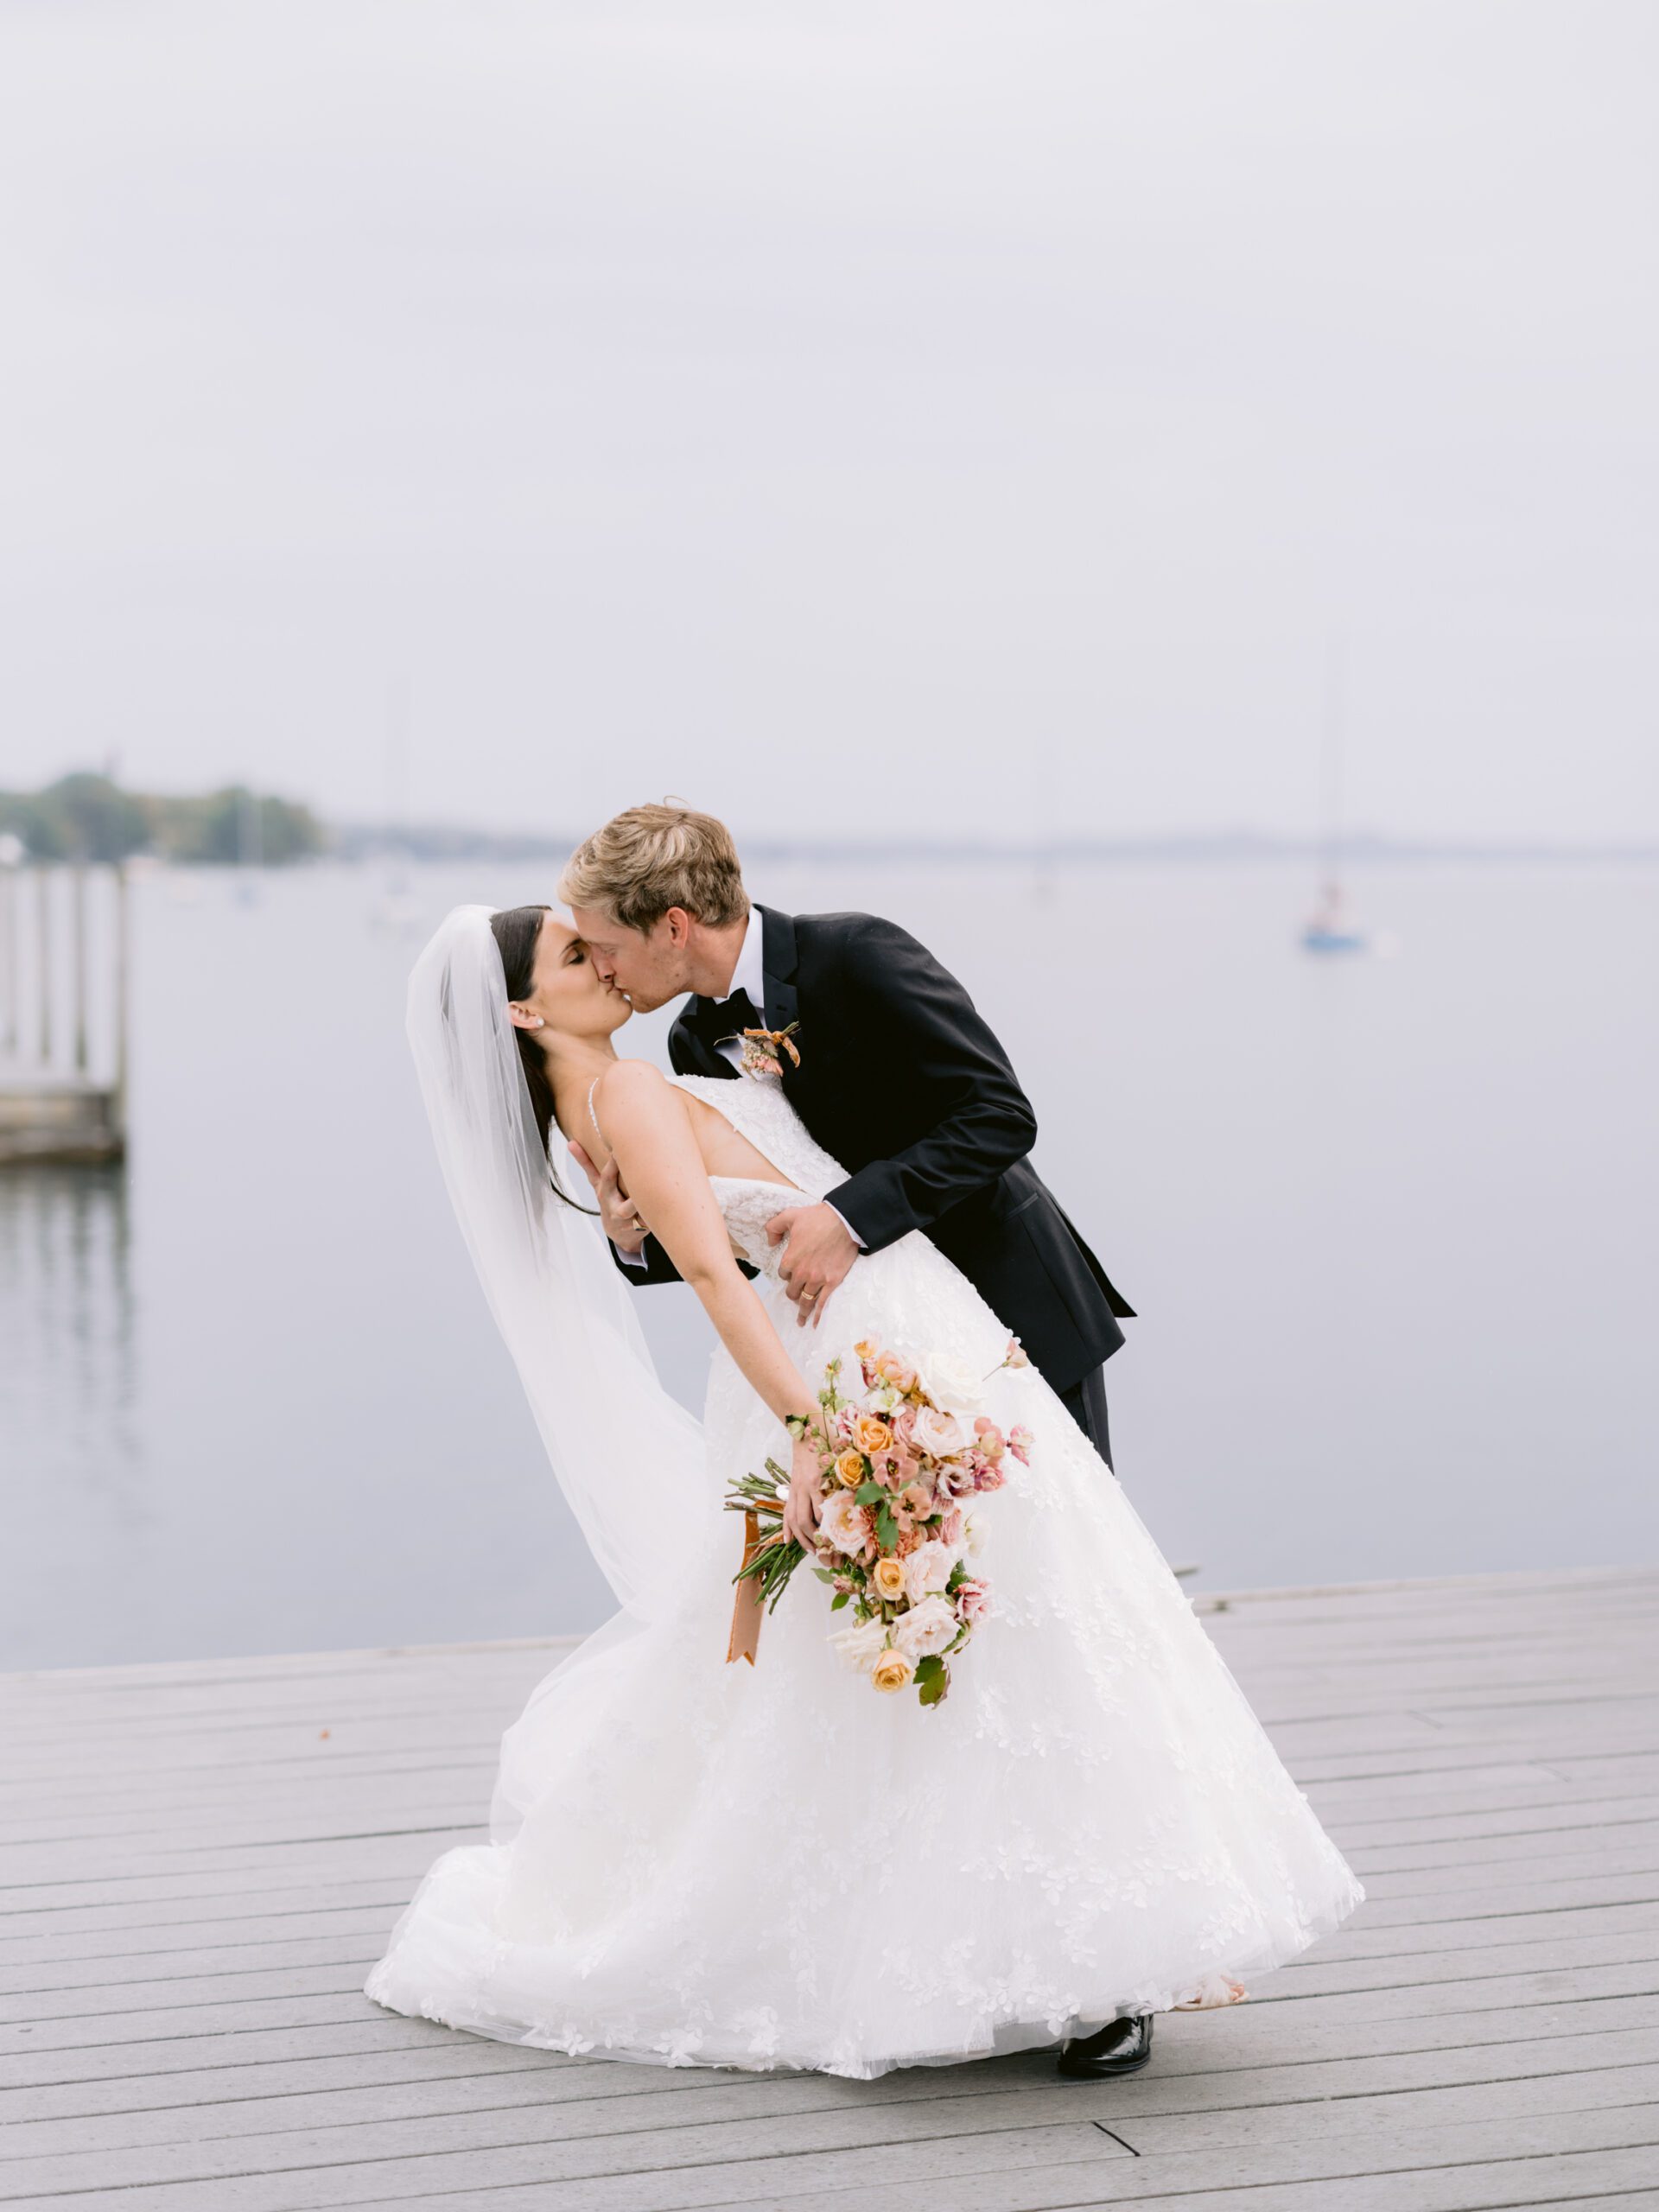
[[1086, 1403]]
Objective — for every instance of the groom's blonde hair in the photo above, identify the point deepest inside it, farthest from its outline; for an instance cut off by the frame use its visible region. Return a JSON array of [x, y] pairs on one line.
[[654, 857]]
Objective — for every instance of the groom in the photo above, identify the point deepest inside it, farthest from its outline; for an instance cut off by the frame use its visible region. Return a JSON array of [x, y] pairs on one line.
[[898, 1078]]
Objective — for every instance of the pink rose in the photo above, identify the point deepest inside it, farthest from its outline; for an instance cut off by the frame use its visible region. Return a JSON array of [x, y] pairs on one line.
[[925, 1628], [988, 1438], [938, 1434], [927, 1570], [973, 1599], [844, 1523], [951, 1529]]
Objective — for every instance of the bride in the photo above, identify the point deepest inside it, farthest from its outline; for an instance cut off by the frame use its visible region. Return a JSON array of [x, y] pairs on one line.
[[694, 1861]]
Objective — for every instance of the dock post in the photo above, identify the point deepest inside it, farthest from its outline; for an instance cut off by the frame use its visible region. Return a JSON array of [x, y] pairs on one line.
[[78, 960], [118, 1079], [9, 1039], [43, 894]]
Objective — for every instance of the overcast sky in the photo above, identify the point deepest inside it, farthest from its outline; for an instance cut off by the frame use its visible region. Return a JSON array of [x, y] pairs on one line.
[[960, 418]]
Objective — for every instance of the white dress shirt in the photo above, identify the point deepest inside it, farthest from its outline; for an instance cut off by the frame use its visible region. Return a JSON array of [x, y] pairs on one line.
[[749, 975]]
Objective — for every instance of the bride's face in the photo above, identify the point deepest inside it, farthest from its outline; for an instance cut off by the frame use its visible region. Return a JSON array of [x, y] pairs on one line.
[[567, 990]]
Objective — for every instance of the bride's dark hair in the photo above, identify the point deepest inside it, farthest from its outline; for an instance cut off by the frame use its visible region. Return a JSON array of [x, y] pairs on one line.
[[516, 930]]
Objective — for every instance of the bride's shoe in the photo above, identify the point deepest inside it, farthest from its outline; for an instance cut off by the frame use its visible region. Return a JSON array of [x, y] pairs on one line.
[[1121, 2047]]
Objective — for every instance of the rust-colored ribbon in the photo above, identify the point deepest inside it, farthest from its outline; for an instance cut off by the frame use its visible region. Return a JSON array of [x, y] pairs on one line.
[[746, 1608], [779, 1040]]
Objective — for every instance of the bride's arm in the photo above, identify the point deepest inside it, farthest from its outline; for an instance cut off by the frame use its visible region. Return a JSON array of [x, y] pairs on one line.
[[649, 1130]]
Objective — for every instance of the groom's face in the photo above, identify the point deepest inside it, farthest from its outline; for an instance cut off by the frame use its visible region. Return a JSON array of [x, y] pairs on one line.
[[649, 966]]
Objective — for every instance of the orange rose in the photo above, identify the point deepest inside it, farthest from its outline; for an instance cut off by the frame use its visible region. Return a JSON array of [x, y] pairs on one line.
[[892, 1671], [871, 1434], [889, 1577], [850, 1468]]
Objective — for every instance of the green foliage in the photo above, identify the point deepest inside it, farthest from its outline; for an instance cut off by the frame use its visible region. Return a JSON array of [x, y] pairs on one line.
[[77, 818], [89, 817]]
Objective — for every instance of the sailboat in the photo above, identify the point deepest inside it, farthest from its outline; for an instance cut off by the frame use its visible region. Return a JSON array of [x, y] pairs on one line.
[[1328, 928]]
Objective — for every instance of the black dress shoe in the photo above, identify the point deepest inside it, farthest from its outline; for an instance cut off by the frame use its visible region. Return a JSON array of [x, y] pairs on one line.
[[1121, 2047]]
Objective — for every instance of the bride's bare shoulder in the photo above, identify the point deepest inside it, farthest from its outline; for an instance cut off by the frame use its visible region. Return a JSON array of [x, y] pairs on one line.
[[640, 1091], [632, 1079]]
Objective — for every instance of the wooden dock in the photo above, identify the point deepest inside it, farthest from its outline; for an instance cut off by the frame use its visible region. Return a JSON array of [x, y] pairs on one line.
[[199, 1862]]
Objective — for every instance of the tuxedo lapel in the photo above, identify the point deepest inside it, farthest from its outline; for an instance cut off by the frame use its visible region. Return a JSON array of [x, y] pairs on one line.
[[778, 965]]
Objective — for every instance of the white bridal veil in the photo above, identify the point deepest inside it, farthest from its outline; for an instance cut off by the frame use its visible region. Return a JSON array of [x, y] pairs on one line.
[[627, 1456]]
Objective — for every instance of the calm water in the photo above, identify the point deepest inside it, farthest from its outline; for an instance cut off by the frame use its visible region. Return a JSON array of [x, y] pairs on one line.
[[1389, 1224]]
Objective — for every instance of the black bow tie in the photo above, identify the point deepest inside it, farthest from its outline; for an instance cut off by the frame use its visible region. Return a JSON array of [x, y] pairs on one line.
[[722, 1018]]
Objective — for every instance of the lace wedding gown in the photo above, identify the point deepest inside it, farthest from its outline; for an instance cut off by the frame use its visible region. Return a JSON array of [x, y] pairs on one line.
[[703, 1863]]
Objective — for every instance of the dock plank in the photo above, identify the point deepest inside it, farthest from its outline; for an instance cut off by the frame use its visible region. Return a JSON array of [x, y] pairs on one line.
[[182, 2027]]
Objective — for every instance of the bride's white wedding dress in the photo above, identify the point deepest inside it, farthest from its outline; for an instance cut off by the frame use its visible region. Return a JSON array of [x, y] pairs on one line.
[[698, 1862]]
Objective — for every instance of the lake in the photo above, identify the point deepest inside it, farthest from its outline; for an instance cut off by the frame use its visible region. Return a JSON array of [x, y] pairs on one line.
[[1388, 1222]]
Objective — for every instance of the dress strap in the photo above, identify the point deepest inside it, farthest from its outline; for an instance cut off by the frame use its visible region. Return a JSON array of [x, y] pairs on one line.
[[592, 1117]]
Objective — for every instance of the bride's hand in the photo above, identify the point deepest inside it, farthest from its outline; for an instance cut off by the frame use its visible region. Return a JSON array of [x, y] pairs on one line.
[[802, 1507]]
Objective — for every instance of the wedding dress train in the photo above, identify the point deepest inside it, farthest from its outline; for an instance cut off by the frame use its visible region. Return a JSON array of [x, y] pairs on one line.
[[698, 1862]]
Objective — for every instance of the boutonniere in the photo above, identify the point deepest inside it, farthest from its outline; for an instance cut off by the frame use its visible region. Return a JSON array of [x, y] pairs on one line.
[[763, 1049]]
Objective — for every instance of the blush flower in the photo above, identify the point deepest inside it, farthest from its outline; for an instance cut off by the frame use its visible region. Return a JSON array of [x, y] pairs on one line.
[[925, 1628], [927, 1569], [937, 1433], [973, 1599], [844, 1521]]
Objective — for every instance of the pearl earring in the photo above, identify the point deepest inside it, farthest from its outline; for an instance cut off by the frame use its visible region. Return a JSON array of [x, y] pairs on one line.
[[539, 1022]]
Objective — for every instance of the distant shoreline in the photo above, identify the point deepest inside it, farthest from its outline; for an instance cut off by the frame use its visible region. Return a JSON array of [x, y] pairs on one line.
[[357, 841]]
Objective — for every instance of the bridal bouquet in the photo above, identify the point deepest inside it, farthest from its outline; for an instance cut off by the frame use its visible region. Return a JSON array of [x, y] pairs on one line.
[[894, 1536]]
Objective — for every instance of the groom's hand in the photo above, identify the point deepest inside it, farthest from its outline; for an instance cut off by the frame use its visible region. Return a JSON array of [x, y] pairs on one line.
[[621, 1223], [818, 1254]]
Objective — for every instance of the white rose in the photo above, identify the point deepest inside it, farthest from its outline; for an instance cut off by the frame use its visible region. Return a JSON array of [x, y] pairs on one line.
[[842, 1521], [926, 1569], [949, 1384], [942, 1434], [862, 1645], [926, 1628], [973, 1537]]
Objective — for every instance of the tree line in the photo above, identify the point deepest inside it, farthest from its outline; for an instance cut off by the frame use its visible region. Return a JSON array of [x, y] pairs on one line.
[[89, 817]]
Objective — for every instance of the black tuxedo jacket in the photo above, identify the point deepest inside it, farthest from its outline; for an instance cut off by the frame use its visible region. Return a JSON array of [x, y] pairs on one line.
[[902, 1082]]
